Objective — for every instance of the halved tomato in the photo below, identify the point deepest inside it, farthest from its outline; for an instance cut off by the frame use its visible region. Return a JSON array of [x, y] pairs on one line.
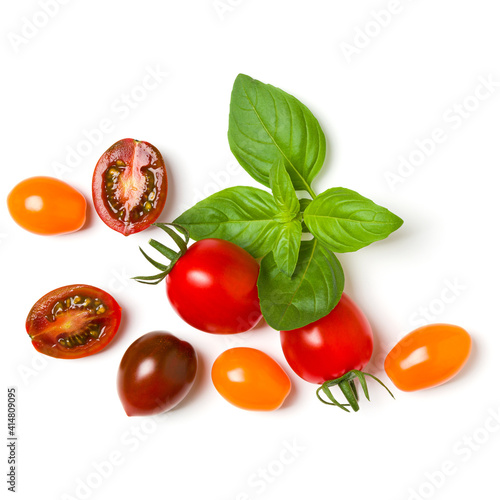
[[129, 186], [73, 321]]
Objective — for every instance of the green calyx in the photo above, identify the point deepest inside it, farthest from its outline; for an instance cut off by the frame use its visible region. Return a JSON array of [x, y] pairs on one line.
[[172, 255], [348, 388]]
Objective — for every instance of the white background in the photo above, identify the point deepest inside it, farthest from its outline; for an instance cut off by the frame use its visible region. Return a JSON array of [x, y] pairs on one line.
[[374, 100]]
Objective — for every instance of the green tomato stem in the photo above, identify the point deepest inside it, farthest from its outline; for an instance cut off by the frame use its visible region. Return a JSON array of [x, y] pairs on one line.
[[347, 385]]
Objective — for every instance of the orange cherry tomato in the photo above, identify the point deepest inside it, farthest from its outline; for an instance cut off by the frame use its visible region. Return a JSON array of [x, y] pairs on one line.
[[44, 205], [250, 379], [428, 356]]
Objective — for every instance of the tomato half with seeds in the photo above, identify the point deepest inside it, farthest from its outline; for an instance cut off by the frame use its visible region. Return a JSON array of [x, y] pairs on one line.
[[129, 186], [47, 206], [73, 321], [428, 356]]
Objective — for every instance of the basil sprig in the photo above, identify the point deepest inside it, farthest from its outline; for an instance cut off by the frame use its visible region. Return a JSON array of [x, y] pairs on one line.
[[279, 142]]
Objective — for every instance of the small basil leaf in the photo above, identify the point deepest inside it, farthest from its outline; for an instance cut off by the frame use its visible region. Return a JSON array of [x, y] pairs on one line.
[[283, 191], [311, 293], [243, 215], [345, 221], [266, 124], [304, 203], [286, 250]]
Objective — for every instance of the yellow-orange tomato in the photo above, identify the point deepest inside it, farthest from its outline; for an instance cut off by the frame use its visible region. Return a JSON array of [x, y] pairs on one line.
[[44, 205], [428, 356], [250, 379]]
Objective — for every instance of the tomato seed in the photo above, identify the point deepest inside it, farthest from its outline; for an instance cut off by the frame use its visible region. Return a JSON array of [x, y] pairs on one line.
[[58, 308], [76, 302], [78, 339], [66, 342]]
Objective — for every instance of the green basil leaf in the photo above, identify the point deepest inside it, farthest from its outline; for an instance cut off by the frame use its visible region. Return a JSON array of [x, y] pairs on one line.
[[266, 124], [243, 215], [311, 293], [304, 203], [345, 221], [283, 191], [286, 250]]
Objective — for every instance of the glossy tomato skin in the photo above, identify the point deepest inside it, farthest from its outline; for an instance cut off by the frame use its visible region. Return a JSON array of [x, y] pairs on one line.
[[47, 206], [156, 373], [213, 287], [328, 348], [73, 321], [129, 186], [250, 379], [427, 357]]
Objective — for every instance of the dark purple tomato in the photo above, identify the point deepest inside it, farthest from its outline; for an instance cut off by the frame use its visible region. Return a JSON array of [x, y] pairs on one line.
[[156, 373]]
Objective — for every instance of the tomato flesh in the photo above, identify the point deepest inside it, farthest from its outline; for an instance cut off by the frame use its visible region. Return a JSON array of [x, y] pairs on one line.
[[129, 186], [213, 287], [330, 347], [73, 321], [156, 373], [427, 357], [47, 206], [250, 379]]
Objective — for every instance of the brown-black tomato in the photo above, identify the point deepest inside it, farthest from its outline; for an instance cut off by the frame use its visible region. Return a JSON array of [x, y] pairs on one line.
[[156, 373]]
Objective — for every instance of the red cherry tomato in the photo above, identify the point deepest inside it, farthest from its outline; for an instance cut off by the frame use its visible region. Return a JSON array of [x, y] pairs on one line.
[[330, 347], [156, 373], [129, 186], [428, 356], [213, 287], [250, 379], [44, 205], [73, 321]]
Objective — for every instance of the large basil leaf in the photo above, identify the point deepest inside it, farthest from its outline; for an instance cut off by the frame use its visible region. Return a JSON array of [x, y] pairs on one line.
[[243, 215], [286, 250], [345, 221], [311, 293], [266, 124]]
